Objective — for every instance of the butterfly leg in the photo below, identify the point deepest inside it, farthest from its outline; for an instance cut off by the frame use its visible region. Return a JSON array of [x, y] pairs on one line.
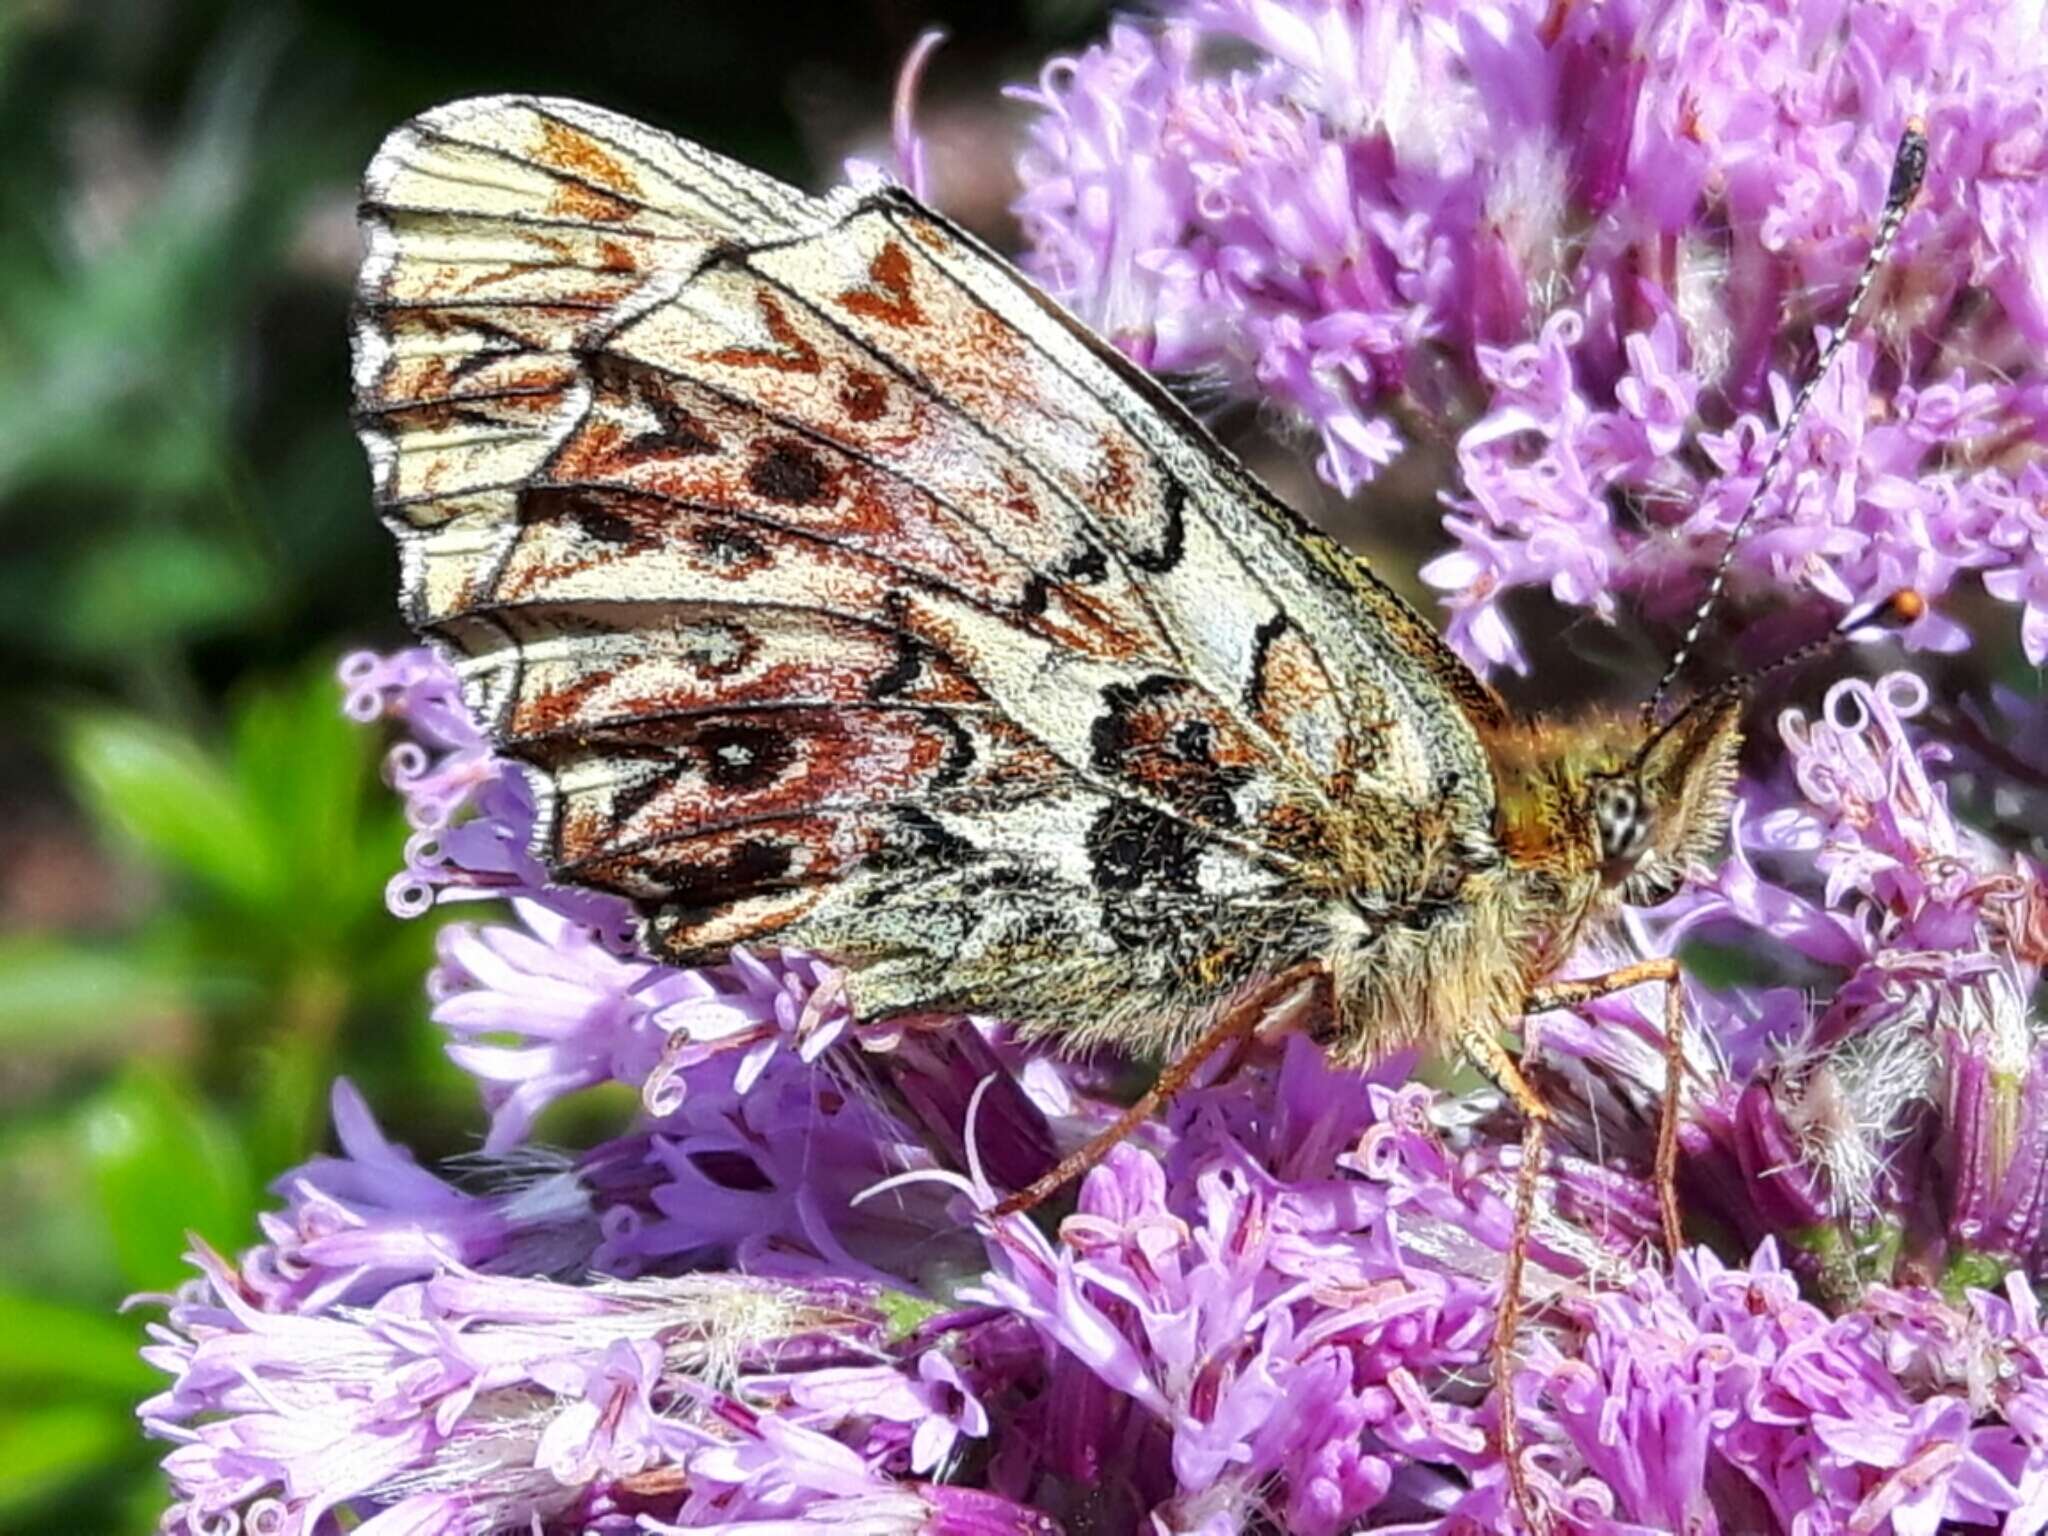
[[1491, 1057], [1236, 1022], [1664, 972], [1288, 1014]]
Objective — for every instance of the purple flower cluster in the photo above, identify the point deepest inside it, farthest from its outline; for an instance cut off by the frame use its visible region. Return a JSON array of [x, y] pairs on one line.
[[1923, 927], [1562, 235], [778, 1302], [776, 1305]]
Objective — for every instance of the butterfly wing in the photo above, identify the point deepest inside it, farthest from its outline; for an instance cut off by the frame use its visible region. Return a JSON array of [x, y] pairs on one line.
[[844, 592]]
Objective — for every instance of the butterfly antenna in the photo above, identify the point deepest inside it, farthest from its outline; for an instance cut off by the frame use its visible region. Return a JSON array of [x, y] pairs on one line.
[[1896, 611], [1909, 169]]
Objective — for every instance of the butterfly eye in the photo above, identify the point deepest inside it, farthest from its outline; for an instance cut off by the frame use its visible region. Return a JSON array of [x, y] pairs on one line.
[[1621, 820]]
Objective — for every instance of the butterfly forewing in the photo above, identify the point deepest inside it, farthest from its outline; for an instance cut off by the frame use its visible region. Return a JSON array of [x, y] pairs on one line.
[[845, 593]]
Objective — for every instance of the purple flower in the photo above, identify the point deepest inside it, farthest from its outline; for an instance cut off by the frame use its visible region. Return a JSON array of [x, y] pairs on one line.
[[1270, 1340], [1281, 1301], [492, 1402], [1718, 1372], [931, 1408], [744, 1013], [581, 1013], [358, 1224], [1928, 1021], [1102, 196], [1570, 239], [473, 812]]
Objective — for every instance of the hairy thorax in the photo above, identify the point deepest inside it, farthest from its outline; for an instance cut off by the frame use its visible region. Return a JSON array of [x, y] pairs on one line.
[[1435, 939]]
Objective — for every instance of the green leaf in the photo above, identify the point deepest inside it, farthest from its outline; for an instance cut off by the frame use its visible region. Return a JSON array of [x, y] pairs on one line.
[[75, 1350], [906, 1313], [58, 998], [156, 789], [164, 1165], [154, 587], [43, 1449], [137, 1509], [304, 768], [286, 1115]]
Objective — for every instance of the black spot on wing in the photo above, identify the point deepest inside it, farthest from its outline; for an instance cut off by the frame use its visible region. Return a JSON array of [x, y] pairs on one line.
[[698, 889], [960, 753], [1132, 847], [1174, 543], [1114, 734], [592, 514], [719, 648], [1144, 736], [1263, 640], [789, 471], [1087, 567], [629, 800], [918, 838], [730, 552], [903, 669], [744, 754], [676, 434]]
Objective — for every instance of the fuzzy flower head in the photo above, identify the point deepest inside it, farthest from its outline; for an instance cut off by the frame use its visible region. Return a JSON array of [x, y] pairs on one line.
[[467, 1404], [1929, 1021]]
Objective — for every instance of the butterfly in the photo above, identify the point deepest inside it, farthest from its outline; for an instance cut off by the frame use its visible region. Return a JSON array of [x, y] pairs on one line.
[[843, 592]]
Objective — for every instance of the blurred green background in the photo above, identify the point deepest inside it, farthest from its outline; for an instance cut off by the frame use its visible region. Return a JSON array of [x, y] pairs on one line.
[[193, 843]]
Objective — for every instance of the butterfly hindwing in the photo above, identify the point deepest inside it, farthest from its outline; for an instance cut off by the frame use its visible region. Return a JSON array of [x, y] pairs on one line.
[[845, 593]]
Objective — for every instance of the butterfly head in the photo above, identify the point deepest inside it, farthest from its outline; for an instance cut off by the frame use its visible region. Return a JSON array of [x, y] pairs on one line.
[[1664, 808], [1601, 809]]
